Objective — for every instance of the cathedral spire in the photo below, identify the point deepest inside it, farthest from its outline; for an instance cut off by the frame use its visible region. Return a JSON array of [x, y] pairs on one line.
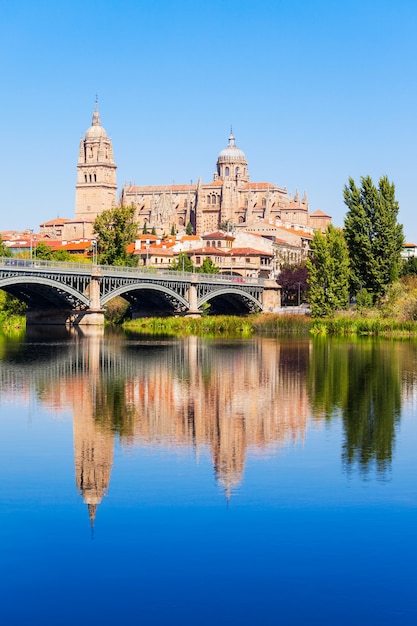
[[96, 115]]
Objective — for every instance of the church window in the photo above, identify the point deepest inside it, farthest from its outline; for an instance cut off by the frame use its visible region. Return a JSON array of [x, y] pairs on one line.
[[208, 199], [185, 204], [95, 178], [237, 171], [226, 171], [85, 177], [263, 201], [90, 178], [241, 219]]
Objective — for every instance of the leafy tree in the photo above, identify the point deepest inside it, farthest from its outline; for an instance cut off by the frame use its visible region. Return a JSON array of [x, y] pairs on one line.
[[42, 251], [293, 281], [328, 272], [62, 255], [208, 267], [183, 263], [409, 267], [189, 230], [4, 250], [115, 229], [373, 235]]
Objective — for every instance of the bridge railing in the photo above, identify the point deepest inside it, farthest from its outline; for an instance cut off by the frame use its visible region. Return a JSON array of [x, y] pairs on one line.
[[118, 270]]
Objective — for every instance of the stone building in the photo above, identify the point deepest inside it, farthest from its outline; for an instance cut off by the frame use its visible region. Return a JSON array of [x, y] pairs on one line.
[[229, 200]]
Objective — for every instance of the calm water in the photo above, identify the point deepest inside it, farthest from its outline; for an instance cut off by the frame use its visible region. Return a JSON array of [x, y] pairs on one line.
[[207, 482]]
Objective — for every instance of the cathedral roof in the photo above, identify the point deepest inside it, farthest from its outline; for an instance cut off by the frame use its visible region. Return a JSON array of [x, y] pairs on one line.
[[231, 152], [96, 131]]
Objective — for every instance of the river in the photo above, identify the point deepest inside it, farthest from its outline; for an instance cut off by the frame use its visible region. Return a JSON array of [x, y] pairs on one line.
[[201, 481]]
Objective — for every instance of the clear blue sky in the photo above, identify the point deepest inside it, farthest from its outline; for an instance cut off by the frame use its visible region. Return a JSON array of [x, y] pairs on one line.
[[316, 91]]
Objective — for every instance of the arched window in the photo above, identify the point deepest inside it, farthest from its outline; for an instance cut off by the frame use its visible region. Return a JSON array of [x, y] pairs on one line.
[[208, 199], [85, 178], [237, 171], [95, 178], [226, 171], [263, 201], [241, 219], [90, 178], [185, 204]]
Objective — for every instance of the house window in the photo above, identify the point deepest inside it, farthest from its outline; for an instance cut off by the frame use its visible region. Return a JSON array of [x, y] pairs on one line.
[[247, 260]]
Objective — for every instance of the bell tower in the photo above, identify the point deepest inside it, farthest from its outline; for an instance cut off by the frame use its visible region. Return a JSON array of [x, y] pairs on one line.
[[96, 187]]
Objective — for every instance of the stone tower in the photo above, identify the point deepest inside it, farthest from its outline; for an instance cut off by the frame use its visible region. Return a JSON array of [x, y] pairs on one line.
[[96, 187]]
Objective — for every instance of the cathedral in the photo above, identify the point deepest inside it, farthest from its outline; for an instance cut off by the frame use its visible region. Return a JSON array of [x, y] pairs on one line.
[[230, 200]]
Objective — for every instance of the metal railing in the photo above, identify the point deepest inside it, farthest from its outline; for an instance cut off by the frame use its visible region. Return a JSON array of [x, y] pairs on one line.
[[119, 270]]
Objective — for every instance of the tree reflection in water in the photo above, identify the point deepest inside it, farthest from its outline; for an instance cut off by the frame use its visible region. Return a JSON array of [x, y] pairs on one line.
[[360, 380]]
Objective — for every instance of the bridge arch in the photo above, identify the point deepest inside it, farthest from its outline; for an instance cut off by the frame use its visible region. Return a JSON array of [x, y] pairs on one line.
[[242, 300], [29, 289], [171, 296]]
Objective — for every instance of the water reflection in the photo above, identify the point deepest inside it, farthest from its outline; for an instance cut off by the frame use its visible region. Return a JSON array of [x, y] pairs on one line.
[[361, 381], [229, 398]]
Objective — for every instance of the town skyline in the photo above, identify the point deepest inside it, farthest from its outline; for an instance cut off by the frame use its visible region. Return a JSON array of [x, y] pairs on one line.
[[324, 94]]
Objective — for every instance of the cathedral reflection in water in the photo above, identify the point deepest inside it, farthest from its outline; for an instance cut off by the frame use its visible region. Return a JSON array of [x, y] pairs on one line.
[[226, 398]]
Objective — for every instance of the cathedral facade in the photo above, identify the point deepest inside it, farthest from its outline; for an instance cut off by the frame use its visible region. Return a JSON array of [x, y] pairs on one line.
[[230, 200]]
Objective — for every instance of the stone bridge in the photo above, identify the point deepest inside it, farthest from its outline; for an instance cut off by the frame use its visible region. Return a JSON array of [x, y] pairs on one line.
[[77, 293]]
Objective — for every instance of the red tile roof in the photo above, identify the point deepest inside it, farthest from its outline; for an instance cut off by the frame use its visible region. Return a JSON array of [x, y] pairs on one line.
[[248, 252]]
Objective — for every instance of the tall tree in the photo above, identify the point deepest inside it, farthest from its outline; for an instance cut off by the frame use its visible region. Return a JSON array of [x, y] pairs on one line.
[[328, 272], [115, 229], [373, 235]]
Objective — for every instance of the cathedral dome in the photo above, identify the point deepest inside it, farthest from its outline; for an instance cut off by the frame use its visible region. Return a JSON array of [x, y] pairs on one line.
[[231, 153], [96, 131]]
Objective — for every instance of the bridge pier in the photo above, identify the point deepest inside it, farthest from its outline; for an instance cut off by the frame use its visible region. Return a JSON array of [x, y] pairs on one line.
[[271, 297], [193, 310]]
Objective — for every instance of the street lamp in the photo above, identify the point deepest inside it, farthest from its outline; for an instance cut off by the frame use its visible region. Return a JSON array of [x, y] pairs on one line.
[[30, 248], [94, 247]]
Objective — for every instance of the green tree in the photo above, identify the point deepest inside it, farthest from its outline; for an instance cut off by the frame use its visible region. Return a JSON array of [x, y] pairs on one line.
[[328, 272], [115, 229], [189, 230], [208, 267], [373, 235], [4, 250], [173, 230], [42, 251], [182, 263], [153, 231], [145, 229]]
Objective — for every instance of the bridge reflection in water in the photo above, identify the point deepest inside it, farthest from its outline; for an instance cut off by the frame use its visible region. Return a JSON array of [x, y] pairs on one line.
[[77, 293]]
